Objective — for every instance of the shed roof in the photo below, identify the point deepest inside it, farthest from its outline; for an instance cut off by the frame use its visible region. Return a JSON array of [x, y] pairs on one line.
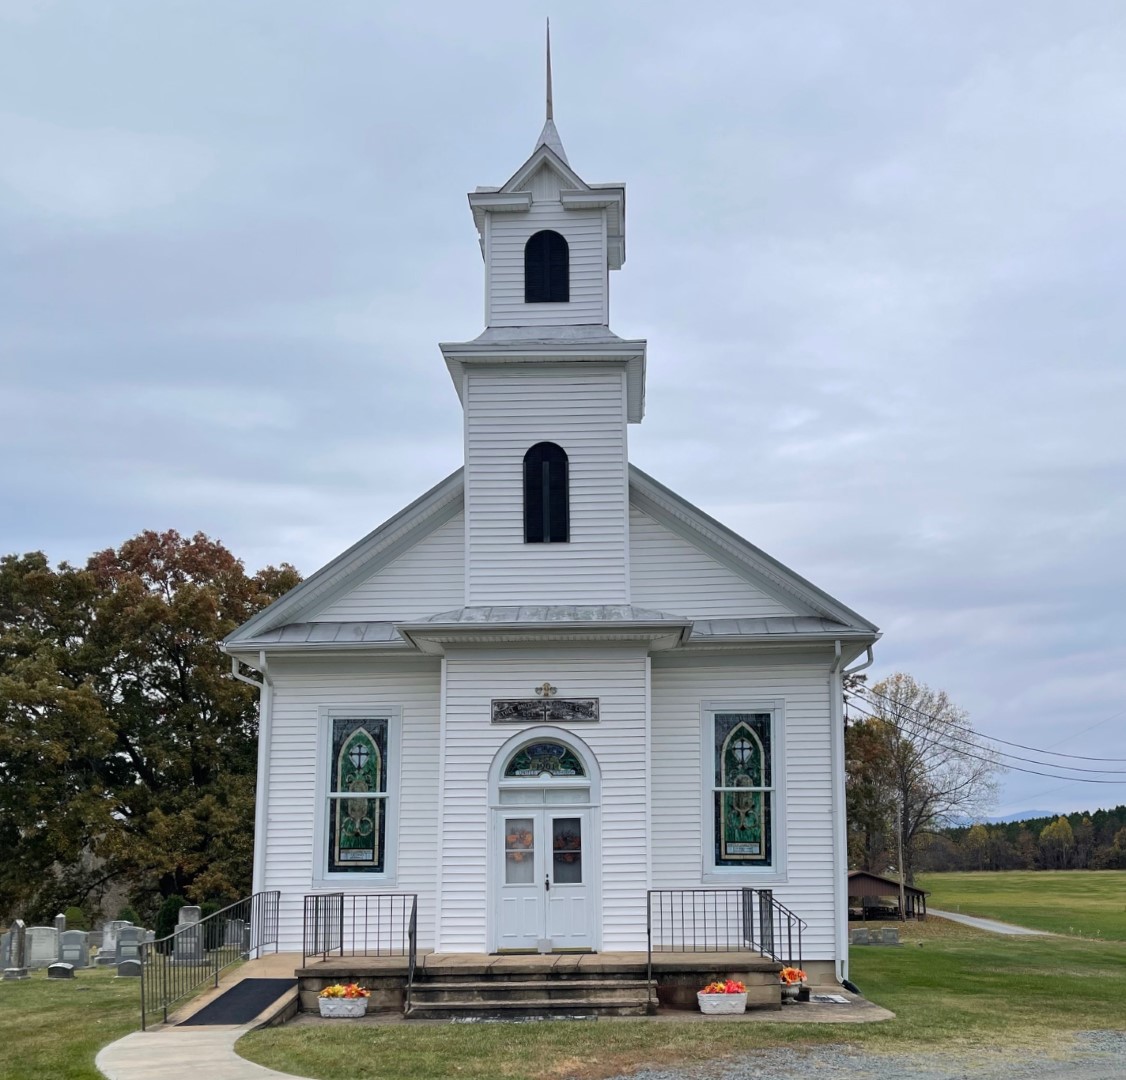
[[863, 883]]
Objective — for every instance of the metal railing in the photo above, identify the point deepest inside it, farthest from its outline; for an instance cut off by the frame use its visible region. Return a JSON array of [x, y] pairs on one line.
[[193, 955], [362, 924], [722, 920]]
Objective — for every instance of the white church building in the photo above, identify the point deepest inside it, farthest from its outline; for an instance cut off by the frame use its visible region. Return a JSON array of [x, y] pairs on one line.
[[551, 695]]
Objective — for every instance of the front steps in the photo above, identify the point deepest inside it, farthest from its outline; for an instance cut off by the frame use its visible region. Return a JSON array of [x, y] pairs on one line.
[[475, 986]]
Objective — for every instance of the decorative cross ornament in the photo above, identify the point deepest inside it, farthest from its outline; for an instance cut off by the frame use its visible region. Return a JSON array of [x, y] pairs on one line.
[[547, 690], [742, 748], [359, 756]]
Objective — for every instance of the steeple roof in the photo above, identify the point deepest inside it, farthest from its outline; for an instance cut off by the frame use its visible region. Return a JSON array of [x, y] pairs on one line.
[[549, 137]]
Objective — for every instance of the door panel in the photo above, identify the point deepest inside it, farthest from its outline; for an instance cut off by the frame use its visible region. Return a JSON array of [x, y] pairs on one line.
[[521, 890], [545, 871]]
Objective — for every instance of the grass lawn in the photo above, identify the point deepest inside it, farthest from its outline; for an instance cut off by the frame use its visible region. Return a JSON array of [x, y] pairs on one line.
[[961, 992], [53, 1028], [1085, 903]]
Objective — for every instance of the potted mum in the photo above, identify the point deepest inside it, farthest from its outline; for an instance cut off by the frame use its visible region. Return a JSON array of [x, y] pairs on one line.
[[727, 997], [792, 980], [343, 1000]]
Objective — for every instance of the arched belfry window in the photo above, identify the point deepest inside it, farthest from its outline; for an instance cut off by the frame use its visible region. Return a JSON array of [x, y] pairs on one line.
[[547, 269], [546, 500]]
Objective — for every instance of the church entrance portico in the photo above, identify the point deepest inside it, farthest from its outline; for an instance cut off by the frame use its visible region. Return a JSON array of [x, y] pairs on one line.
[[543, 848]]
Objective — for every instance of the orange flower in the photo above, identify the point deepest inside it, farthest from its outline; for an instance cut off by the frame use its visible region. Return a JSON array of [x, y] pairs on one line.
[[791, 975]]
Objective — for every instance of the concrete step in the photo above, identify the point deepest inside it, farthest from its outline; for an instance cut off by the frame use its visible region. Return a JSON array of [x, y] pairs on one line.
[[561, 990], [529, 1008]]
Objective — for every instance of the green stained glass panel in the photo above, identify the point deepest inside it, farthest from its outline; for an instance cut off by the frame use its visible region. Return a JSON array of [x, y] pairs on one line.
[[357, 824], [742, 760], [551, 758]]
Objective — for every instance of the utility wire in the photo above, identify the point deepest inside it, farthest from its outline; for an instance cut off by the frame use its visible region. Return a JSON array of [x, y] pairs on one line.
[[1011, 768], [994, 738], [1005, 753]]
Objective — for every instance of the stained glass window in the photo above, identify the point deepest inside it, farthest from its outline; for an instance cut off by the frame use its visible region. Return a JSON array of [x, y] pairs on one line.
[[357, 818], [743, 789], [539, 758]]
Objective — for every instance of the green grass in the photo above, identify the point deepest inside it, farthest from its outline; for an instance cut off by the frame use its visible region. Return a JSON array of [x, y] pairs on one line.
[[962, 992], [54, 1027], [1083, 903]]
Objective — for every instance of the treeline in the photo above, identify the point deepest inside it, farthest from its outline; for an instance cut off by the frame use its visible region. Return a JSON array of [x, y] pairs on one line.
[[127, 752], [1079, 841]]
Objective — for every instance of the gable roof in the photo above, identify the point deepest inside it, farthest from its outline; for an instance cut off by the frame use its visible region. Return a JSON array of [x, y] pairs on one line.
[[377, 549], [741, 555], [285, 622]]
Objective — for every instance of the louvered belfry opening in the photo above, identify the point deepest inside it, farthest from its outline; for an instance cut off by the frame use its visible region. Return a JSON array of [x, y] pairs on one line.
[[547, 514], [547, 269]]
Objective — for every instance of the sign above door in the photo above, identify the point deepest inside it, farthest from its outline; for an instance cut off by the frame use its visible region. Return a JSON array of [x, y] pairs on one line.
[[545, 710]]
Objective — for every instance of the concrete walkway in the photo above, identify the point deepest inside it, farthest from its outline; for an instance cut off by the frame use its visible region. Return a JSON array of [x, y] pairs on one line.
[[170, 1052], [992, 925]]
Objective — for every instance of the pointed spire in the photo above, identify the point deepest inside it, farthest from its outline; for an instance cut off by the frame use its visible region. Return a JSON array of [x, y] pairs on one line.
[[549, 112], [549, 137]]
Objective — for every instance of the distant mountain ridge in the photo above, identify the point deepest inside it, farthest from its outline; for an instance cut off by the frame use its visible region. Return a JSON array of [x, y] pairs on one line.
[[1019, 815]]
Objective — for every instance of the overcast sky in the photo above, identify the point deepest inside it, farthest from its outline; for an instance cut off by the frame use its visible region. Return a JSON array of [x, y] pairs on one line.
[[878, 251]]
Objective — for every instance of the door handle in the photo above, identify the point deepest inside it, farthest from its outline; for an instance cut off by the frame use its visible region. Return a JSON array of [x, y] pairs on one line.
[[546, 883]]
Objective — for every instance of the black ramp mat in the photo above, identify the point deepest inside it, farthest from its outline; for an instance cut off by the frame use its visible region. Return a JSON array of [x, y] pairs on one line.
[[243, 1002]]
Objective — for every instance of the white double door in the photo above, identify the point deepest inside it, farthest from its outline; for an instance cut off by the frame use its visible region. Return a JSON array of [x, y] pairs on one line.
[[544, 859]]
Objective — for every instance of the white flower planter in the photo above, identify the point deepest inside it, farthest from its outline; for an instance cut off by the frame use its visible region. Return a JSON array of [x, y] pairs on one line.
[[722, 1004], [336, 1008]]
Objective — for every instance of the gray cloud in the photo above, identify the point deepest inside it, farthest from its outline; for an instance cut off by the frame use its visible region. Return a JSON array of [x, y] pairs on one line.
[[877, 251]]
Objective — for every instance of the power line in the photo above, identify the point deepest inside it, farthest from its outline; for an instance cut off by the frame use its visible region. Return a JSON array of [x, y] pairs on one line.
[[1005, 753], [1010, 768], [995, 738]]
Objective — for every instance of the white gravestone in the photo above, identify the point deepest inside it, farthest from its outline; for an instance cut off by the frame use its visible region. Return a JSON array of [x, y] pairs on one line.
[[17, 952], [107, 953], [187, 947], [60, 922], [74, 949], [129, 943], [42, 946]]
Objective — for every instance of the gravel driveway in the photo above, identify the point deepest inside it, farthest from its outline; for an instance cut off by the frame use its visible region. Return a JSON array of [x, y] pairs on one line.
[[1093, 1055]]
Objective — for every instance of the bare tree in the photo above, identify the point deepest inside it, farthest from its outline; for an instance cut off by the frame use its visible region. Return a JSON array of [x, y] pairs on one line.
[[939, 768]]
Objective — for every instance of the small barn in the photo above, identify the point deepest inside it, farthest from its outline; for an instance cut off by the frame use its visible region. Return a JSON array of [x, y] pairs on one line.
[[877, 897]]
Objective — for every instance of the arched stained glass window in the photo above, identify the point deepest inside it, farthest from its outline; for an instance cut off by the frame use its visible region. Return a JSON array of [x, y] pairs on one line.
[[743, 789], [547, 269], [547, 511], [540, 758], [357, 821]]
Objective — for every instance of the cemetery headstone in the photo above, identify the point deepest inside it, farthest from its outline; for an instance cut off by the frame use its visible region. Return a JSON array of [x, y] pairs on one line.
[[60, 971], [858, 937], [107, 954], [17, 952], [129, 969], [74, 948], [129, 943], [60, 923], [889, 935], [187, 945], [5, 948], [42, 946]]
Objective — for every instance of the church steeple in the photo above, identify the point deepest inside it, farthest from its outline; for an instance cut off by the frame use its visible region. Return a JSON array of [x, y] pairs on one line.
[[549, 137], [548, 390]]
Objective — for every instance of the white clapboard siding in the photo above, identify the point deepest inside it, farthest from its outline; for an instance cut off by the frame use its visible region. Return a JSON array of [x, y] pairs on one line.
[[585, 413], [680, 684], [295, 755], [618, 741], [670, 573], [424, 580], [585, 233]]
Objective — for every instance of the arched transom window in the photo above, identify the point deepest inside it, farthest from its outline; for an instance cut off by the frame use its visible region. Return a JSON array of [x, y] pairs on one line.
[[547, 269], [544, 759], [547, 514]]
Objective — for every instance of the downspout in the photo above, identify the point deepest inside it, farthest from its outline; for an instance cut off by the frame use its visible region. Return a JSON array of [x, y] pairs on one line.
[[261, 789], [840, 833], [840, 812]]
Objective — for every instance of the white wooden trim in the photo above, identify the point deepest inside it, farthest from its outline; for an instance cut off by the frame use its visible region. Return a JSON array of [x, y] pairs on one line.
[[593, 807], [775, 874], [438, 852], [393, 714]]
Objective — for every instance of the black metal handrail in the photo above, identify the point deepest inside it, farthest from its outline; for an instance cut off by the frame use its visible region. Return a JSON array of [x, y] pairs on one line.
[[362, 924], [193, 955], [722, 920]]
